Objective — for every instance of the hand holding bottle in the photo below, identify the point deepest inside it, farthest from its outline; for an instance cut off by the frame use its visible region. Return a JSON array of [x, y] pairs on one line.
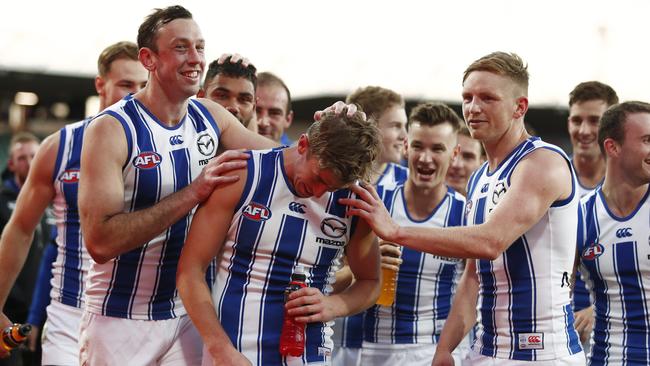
[[390, 261]]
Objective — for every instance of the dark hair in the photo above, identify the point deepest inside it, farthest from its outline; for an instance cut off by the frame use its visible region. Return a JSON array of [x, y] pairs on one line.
[[613, 121], [593, 90], [432, 114], [234, 70], [148, 31], [504, 64], [267, 78], [117, 51]]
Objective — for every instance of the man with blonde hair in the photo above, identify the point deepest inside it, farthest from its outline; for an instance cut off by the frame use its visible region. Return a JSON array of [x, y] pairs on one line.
[[521, 214], [282, 212]]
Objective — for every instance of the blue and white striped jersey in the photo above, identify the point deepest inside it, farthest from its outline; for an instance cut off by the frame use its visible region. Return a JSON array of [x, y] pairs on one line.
[[524, 304], [425, 282], [272, 231], [141, 284], [70, 267], [348, 331], [615, 262], [392, 175], [581, 298]]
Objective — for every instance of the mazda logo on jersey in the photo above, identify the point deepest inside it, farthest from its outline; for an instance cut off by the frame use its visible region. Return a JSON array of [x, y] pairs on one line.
[[70, 176], [624, 232], [147, 160], [205, 144], [176, 140], [499, 190], [334, 228], [593, 251], [256, 212]]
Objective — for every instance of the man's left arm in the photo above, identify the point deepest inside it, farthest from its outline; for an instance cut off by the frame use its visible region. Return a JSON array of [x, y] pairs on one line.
[[310, 305]]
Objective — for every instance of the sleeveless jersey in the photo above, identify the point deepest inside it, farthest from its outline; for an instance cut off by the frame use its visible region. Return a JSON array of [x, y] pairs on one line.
[[580, 293], [70, 267], [348, 331], [272, 231], [615, 262], [524, 304], [425, 282], [141, 284]]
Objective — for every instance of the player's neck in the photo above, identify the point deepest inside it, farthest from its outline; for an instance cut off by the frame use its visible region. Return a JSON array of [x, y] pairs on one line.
[[377, 169], [590, 169], [422, 201], [290, 158], [169, 109], [499, 149], [622, 195]]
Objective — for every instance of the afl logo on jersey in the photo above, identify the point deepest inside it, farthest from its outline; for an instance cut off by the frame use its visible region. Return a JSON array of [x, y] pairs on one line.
[[70, 176], [593, 251], [205, 144], [257, 212], [334, 228], [147, 160]]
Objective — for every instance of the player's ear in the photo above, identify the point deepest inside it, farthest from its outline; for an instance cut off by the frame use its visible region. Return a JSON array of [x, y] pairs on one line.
[[303, 144], [147, 58], [522, 107]]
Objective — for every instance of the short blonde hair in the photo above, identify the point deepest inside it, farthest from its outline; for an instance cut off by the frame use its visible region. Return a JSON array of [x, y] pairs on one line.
[[375, 100], [504, 64], [348, 145]]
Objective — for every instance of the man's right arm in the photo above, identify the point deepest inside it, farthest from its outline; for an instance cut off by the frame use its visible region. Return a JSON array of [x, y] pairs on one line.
[[462, 316], [35, 195], [108, 230]]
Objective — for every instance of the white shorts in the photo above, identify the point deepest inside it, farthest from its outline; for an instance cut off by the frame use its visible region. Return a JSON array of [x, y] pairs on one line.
[[346, 356], [113, 341], [60, 340], [476, 359]]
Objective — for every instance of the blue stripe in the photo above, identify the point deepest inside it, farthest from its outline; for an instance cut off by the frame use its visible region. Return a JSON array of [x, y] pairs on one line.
[[474, 179], [72, 280], [523, 293], [232, 301], [162, 300], [352, 329], [314, 333], [288, 247], [207, 114], [488, 293], [635, 322], [405, 306], [521, 151], [59, 154], [127, 129]]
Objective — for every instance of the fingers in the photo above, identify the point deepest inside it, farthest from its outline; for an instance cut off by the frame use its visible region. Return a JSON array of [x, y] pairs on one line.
[[338, 109], [234, 58]]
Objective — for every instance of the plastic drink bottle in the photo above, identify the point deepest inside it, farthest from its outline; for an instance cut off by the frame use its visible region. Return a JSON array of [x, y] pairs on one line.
[[292, 337], [14, 335], [388, 284]]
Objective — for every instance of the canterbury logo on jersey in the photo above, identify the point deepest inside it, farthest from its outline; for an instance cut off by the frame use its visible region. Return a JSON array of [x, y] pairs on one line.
[[176, 140], [334, 228], [297, 207], [147, 160], [624, 232], [70, 176], [256, 212], [593, 251]]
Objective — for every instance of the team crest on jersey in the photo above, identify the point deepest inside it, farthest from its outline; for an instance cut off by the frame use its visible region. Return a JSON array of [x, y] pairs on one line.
[[206, 145], [593, 251], [334, 228], [70, 176], [147, 160], [257, 212], [531, 340], [498, 192]]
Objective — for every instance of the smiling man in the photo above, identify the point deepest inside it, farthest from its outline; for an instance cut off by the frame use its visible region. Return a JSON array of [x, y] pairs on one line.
[[150, 158], [282, 212]]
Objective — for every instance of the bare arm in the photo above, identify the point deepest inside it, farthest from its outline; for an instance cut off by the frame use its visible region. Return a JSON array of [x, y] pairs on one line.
[[539, 180], [233, 134], [108, 231], [310, 305], [462, 315], [205, 239], [35, 195]]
